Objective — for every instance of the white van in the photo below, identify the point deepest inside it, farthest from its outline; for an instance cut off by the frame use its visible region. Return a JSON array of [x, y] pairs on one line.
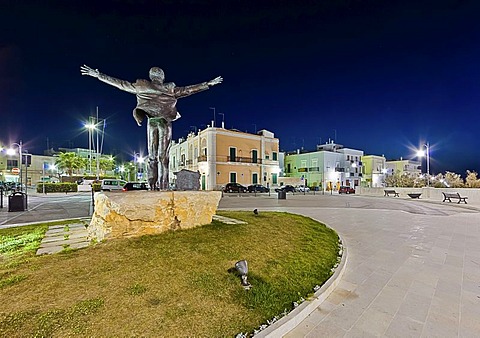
[[112, 184]]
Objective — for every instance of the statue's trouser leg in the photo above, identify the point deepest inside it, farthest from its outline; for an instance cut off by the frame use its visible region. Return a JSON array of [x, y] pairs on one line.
[[152, 144], [165, 139]]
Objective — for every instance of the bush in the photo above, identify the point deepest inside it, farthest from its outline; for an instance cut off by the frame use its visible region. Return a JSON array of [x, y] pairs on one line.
[[57, 187], [96, 186]]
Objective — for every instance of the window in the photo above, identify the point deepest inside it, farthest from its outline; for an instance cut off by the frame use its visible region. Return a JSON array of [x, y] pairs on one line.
[[233, 177], [233, 156], [274, 156], [254, 156], [12, 164], [348, 157], [254, 178], [274, 178], [289, 169]]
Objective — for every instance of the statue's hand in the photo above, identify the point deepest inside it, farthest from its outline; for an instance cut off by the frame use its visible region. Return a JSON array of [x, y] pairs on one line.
[[85, 70], [215, 81]]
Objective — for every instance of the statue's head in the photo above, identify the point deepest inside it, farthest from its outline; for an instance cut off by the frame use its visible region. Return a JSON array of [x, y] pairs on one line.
[[157, 74]]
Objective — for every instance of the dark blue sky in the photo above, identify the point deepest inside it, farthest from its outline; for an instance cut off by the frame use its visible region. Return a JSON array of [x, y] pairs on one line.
[[383, 76]]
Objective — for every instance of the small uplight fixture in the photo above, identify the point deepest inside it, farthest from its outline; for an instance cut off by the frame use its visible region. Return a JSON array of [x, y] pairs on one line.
[[242, 268]]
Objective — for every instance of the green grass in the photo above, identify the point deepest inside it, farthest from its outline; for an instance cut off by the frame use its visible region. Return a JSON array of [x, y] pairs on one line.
[[176, 284]]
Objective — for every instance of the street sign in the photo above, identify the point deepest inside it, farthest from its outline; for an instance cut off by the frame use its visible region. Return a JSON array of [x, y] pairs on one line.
[[15, 171]]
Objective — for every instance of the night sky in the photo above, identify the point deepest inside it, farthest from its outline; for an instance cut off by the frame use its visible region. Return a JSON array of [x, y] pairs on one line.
[[381, 76]]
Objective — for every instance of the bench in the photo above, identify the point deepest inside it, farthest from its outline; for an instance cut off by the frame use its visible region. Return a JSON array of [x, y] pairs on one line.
[[391, 192], [455, 195], [414, 195]]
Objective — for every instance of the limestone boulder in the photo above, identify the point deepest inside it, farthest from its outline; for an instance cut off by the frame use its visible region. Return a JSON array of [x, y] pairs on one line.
[[138, 213]]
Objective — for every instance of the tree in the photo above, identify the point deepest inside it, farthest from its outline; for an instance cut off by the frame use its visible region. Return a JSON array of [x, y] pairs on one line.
[[69, 162], [472, 181], [399, 179], [453, 180], [107, 164]]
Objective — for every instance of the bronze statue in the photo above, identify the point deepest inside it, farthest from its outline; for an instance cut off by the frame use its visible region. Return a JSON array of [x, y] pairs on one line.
[[156, 100]]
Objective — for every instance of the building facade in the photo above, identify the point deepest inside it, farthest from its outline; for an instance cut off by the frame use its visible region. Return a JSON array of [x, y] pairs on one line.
[[404, 167], [374, 171], [223, 156], [329, 167]]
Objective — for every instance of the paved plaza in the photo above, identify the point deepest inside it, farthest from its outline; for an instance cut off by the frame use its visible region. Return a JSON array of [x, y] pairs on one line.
[[413, 266]]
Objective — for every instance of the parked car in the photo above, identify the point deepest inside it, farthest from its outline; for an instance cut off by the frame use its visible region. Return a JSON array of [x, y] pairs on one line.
[[286, 188], [257, 188], [346, 190], [235, 187], [302, 188], [135, 186], [112, 184]]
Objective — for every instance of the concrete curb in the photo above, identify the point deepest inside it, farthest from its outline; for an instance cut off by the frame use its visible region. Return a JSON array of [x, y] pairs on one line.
[[297, 315], [5, 226]]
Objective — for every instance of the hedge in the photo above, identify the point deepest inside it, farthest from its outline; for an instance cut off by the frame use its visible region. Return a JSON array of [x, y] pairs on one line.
[[57, 187]]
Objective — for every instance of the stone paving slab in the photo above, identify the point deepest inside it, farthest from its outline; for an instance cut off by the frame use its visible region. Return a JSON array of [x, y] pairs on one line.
[[59, 237], [49, 250], [227, 220]]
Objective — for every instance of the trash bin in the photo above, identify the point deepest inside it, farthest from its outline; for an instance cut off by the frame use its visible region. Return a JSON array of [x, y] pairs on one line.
[[282, 195], [17, 201]]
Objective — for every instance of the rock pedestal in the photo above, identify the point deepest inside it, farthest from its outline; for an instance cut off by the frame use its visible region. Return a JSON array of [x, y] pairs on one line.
[[137, 213]]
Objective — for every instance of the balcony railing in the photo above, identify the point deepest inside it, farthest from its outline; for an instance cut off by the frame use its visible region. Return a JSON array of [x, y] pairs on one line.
[[243, 159]]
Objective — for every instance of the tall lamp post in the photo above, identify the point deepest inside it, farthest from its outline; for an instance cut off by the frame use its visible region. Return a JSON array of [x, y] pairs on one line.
[[10, 152], [426, 153], [90, 127]]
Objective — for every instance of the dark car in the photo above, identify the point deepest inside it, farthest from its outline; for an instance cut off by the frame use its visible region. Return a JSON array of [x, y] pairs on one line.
[[286, 188], [346, 190], [257, 188], [135, 186], [235, 187]]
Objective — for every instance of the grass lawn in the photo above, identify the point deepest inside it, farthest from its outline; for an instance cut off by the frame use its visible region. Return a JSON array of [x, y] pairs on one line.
[[176, 284]]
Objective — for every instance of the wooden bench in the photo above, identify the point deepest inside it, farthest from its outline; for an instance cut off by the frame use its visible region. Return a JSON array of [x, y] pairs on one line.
[[455, 195], [391, 192]]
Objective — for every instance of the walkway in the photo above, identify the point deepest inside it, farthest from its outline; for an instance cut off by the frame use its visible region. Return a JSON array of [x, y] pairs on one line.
[[413, 266], [60, 237]]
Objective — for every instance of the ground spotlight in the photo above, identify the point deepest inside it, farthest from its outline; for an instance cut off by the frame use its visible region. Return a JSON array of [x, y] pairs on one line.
[[242, 268]]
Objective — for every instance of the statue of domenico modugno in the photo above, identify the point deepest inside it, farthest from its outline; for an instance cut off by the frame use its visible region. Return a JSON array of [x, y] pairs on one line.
[[157, 101]]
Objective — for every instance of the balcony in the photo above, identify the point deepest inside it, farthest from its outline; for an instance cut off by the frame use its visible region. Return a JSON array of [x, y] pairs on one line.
[[244, 160]]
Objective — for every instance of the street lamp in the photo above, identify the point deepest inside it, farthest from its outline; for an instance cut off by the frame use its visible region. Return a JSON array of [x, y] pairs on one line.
[[137, 159], [90, 127], [426, 152], [11, 152]]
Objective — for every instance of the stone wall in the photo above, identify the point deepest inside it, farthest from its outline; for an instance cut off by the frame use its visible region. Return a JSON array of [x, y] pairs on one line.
[[137, 213]]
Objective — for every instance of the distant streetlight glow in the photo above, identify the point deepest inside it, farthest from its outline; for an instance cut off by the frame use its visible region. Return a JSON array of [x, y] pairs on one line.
[[426, 152], [11, 152]]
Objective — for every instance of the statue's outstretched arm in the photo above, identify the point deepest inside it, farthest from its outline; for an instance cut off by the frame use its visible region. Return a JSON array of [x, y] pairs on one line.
[[189, 90], [120, 84]]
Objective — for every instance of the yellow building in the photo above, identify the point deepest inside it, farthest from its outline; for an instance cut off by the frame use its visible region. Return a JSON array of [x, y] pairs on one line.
[[222, 156], [374, 171]]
